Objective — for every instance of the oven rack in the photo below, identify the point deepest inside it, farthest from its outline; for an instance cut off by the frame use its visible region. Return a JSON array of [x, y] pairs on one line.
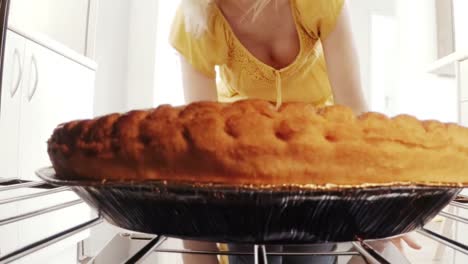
[[154, 243], [46, 189]]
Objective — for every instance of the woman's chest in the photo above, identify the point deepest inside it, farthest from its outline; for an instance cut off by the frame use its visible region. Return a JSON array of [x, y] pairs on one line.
[[273, 38]]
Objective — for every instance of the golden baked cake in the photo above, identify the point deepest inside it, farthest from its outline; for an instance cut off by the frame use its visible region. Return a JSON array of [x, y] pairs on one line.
[[251, 142]]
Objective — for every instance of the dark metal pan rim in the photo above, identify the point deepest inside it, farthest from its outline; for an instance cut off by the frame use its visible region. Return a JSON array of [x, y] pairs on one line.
[[270, 215], [48, 174]]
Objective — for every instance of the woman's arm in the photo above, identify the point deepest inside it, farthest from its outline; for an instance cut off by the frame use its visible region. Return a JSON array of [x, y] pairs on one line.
[[343, 65], [197, 87], [344, 74]]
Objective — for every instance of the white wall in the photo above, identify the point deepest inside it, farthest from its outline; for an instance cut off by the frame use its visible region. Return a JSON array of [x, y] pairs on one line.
[[383, 62], [395, 48], [125, 44], [111, 54], [126, 55], [361, 12], [168, 88], [141, 53], [419, 93], [460, 20]]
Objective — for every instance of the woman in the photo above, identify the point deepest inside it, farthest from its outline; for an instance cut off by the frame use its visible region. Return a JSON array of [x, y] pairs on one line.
[[298, 57], [276, 50]]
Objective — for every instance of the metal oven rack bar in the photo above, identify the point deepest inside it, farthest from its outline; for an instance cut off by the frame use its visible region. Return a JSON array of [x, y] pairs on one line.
[[13, 184], [360, 248]]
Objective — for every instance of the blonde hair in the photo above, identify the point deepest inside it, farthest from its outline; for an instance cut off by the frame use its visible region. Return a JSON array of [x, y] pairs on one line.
[[196, 13]]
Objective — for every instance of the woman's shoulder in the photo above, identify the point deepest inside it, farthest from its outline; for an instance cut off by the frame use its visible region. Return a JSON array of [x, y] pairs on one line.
[[317, 7], [203, 50], [314, 14], [198, 20]]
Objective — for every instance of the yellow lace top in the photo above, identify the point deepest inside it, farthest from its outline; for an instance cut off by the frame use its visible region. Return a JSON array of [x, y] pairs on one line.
[[244, 76]]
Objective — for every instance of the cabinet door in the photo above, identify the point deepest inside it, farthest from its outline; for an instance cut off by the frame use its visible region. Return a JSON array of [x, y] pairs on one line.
[[9, 234], [10, 105], [462, 236], [463, 80], [462, 229], [464, 113], [55, 90], [65, 21], [463, 86], [9, 130]]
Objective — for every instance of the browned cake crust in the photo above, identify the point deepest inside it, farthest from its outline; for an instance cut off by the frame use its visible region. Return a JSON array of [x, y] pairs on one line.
[[250, 142]]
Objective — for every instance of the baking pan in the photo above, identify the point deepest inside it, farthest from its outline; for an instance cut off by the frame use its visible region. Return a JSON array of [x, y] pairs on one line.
[[262, 214]]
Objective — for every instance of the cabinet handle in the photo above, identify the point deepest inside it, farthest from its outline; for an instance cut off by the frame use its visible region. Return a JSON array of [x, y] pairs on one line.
[[36, 81], [14, 88]]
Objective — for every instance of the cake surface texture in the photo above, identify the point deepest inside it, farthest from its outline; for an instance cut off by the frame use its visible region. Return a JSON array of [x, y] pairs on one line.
[[252, 143]]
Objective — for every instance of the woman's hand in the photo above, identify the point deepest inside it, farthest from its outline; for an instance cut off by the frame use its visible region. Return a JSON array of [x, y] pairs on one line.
[[408, 240]]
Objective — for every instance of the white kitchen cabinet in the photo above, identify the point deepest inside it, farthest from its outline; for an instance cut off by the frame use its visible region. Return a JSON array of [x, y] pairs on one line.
[[462, 236], [460, 60], [51, 84], [55, 90], [464, 114], [45, 225], [69, 22], [9, 130], [463, 80], [41, 89], [460, 21], [8, 231], [462, 229], [10, 105]]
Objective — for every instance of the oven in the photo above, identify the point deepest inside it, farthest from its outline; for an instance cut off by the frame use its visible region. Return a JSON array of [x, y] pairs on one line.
[[42, 223]]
